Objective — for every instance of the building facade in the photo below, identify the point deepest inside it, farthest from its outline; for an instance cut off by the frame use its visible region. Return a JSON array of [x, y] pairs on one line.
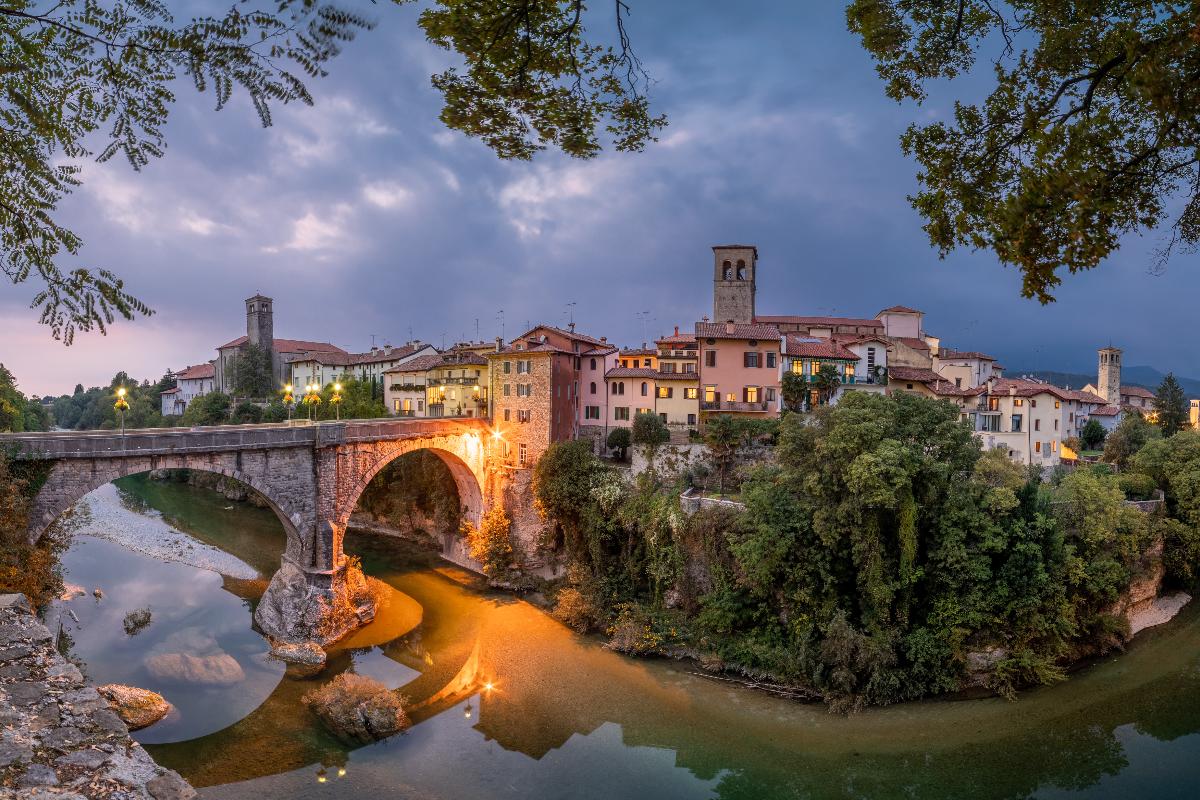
[[739, 368], [190, 383], [260, 329]]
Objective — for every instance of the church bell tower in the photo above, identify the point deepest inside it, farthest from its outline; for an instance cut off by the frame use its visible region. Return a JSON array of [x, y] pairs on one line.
[[734, 268]]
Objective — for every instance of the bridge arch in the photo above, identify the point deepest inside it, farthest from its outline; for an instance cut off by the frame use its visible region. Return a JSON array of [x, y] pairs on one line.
[[463, 454], [69, 482]]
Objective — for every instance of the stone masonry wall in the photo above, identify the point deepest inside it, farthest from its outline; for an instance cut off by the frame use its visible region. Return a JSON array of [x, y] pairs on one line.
[[58, 736]]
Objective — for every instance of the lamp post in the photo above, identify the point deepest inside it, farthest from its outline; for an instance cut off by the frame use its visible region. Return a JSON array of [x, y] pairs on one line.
[[337, 400], [288, 400], [312, 398], [121, 406]]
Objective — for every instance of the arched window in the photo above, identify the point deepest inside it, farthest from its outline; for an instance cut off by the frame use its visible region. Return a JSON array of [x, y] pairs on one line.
[[614, 388], [645, 389], [593, 387], [593, 367], [741, 273], [728, 271]]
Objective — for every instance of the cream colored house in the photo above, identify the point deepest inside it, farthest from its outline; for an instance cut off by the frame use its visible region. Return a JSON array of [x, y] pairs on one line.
[[1023, 417]]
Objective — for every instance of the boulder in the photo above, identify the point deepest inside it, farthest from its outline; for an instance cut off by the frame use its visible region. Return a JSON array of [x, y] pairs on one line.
[[217, 669], [358, 709], [307, 653], [137, 708], [314, 607]]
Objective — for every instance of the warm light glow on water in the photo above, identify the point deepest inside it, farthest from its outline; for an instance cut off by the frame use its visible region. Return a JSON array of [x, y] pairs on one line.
[[566, 718]]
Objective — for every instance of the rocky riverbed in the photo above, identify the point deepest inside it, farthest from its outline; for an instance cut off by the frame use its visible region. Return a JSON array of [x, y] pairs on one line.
[[102, 514], [59, 738]]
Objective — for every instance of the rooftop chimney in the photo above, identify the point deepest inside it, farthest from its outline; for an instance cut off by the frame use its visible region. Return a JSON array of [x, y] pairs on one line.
[[499, 344], [676, 330], [729, 326], [571, 327]]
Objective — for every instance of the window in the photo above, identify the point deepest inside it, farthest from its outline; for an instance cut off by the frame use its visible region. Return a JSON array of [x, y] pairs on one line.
[[395, 405], [710, 394], [666, 391], [691, 419], [769, 395], [770, 360], [993, 404], [689, 367], [870, 358], [593, 387], [1037, 446], [646, 362], [591, 412], [797, 367], [1057, 404], [505, 391], [420, 405], [710, 358], [1016, 423], [728, 270], [741, 270], [1037, 424], [690, 392], [750, 360], [1018, 401], [1055, 424], [522, 454], [663, 417], [621, 412], [667, 366], [507, 367], [989, 423], [958, 383], [750, 394], [849, 370], [644, 411], [507, 415], [593, 364], [645, 388], [816, 366]]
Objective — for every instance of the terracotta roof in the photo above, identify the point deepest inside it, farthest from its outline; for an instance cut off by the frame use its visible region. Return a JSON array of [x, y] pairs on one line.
[[735, 330], [463, 357], [197, 372], [419, 364], [352, 359], [631, 372], [639, 351], [677, 338], [570, 334], [678, 376], [599, 351], [914, 374], [945, 388], [170, 391], [290, 346], [973, 355], [816, 321], [1085, 397], [817, 348], [1106, 411], [913, 342], [900, 310], [1025, 388], [1136, 391]]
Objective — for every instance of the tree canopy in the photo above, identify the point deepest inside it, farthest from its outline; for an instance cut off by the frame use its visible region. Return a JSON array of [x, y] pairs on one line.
[[1088, 132], [79, 75], [1171, 406]]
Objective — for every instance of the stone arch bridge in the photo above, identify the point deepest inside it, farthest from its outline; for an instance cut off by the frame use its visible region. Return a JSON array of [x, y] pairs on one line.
[[311, 475]]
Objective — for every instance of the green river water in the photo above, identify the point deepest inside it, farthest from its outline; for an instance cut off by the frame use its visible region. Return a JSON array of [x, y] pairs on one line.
[[565, 718]]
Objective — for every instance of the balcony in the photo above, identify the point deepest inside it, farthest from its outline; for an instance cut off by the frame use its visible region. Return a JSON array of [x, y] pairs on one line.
[[982, 408], [735, 406]]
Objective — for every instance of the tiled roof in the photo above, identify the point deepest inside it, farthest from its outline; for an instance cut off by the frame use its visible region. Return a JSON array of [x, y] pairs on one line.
[[290, 346], [1106, 411], [631, 372], [1085, 397], [1024, 388], [599, 351], [945, 388], [1136, 391], [170, 391], [197, 372], [677, 338], [914, 374], [570, 334], [419, 364], [678, 376], [735, 330], [821, 321], [353, 359], [818, 348], [639, 351], [913, 342], [464, 357], [900, 310], [972, 355]]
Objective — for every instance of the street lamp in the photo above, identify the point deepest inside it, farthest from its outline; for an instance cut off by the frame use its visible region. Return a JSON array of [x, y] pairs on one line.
[[288, 399], [121, 406], [337, 400], [312, 398]]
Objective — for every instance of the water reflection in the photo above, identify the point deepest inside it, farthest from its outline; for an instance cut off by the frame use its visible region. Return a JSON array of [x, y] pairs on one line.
[[566, 718]]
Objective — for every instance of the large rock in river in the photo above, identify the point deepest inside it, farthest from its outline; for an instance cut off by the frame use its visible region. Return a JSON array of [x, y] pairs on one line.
[[319, 607], [136, 707], [217, 669], [358, 709]]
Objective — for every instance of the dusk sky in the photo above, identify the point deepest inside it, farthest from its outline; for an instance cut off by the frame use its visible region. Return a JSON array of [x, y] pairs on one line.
[[364, 215]]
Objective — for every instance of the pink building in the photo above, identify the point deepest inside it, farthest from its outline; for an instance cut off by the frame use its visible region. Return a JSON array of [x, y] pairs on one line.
[[739, 368]]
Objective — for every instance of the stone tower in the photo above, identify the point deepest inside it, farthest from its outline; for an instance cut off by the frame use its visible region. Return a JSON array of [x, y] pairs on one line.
[[734, 266], [1108, 380], [260, 322]]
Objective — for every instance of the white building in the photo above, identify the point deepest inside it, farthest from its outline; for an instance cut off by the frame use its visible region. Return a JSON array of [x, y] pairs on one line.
[[189, 384], [1024, 417], [966, 370], [325, 367]]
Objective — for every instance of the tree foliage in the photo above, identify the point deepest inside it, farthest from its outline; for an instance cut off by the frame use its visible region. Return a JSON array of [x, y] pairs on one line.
[[207, 409], [1131, 435], [1093, 434], [490, 543], [649, 429], [1171, 406], [619, 439], [93, 409], [1088, 132], [253, 375]]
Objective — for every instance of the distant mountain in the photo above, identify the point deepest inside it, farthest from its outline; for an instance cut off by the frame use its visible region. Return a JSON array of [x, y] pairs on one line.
[[1146, 377]]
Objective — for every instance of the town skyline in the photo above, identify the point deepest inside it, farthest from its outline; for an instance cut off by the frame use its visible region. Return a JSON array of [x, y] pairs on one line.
[[451, 235]]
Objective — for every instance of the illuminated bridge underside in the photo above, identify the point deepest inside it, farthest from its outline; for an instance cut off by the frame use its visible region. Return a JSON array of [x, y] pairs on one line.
[[310, 475]]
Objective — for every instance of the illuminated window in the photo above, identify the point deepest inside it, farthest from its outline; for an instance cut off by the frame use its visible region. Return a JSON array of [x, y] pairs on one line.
[[710, 394], [522, 454], [1018, 401], [690, 393], [665, 391], [751, 394]]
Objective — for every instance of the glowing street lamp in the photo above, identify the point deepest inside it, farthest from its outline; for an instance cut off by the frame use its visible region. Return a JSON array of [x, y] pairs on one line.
[[121, 406], [312, 398], [337, 399], [288, 399]]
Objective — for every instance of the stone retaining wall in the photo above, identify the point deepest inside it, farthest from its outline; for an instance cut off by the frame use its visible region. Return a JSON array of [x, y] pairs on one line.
[[58, 736]]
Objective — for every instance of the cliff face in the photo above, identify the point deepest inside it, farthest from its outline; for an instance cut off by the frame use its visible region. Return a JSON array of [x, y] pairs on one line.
[[57, 733]]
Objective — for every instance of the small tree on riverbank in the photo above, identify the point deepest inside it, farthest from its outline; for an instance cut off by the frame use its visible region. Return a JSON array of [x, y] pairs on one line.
[[490, 543]]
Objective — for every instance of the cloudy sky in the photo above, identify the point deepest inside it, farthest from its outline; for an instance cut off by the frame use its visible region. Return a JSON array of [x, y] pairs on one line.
[[364, 216]]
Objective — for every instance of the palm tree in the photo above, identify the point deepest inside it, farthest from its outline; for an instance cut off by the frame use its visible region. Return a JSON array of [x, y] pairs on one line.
[[827, 382]]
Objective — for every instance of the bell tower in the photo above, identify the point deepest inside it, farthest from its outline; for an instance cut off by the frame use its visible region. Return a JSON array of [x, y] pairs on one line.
[[734, 268], [260, 322], [1108, 378]]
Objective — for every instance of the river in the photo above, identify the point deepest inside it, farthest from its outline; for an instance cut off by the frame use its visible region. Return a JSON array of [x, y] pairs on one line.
[[551, 714]]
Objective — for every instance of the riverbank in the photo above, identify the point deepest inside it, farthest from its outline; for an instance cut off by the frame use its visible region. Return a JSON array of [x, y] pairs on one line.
[[105, 515], [59, 735]]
